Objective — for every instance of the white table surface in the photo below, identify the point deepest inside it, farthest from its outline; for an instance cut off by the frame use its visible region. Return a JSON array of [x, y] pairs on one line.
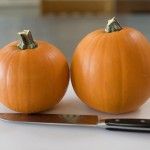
[[14, 136]]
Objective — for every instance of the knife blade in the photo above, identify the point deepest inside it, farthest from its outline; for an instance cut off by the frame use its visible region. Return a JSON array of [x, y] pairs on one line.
[[125, 124]]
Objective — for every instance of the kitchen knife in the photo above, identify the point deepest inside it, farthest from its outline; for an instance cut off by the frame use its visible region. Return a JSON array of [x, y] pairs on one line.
[[80, 120]]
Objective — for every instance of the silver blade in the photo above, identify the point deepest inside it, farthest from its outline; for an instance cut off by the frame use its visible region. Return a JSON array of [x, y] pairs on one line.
[[58, 119]]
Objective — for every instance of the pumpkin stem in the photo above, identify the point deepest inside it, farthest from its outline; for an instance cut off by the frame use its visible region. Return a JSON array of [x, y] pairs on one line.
[[26, 40], [113, 25]]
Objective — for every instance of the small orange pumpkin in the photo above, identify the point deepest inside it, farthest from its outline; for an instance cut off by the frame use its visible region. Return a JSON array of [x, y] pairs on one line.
[[110, 69], [33, 75]]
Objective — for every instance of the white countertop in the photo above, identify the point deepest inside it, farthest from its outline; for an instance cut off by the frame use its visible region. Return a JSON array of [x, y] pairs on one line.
[[15, 136]]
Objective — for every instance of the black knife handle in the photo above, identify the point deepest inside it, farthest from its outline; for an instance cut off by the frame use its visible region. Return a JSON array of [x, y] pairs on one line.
[[128, 124]]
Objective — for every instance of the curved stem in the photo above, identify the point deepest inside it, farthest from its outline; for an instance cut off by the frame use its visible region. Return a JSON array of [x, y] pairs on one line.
[[26, 40], [113, 25]]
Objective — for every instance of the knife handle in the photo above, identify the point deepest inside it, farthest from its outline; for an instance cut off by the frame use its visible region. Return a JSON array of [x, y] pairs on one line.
[[128, 124]]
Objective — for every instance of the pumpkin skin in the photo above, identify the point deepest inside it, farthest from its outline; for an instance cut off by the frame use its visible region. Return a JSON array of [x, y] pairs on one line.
[[110, 72], [32, 80]]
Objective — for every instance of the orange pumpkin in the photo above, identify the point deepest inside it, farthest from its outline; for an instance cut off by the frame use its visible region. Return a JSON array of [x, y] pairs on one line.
[[110, 69], [33, 75]]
